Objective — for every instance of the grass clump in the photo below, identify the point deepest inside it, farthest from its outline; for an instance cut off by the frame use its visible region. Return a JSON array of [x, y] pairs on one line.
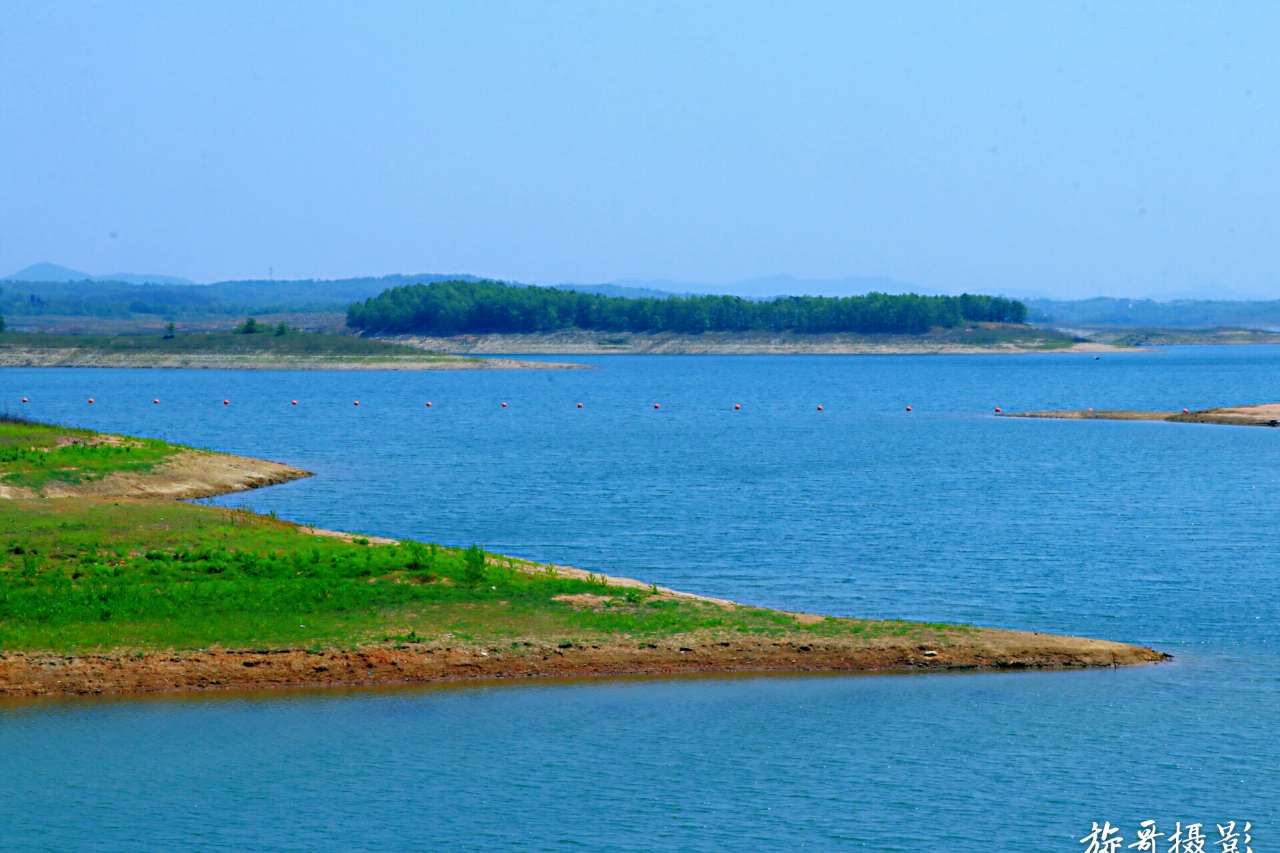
[[34, 455]]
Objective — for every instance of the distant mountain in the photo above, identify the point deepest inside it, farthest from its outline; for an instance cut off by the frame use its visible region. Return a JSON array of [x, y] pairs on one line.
[[1208, 293], [1138, 313], [47, 272], [58, 273], [111, 297], [769, 286], [622, 290]]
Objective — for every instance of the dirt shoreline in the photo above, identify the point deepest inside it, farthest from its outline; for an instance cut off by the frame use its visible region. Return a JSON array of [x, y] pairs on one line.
[[27, 674], [1266, 415], [68, 357], [725, 343]]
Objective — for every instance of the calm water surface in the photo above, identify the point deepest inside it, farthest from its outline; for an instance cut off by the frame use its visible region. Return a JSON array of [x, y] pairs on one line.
[[1154, 533]]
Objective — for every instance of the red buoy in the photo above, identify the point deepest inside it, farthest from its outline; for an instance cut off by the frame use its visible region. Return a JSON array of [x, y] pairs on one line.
[[908, 407], [24, 399], [90, 401], [820, 409], [737, 407], [293, 402], [226, 402], [999, 410], [504, 404], [579, 405], [355, 402], [657, 405], [428, 404], [156, 401], [1185, 410]]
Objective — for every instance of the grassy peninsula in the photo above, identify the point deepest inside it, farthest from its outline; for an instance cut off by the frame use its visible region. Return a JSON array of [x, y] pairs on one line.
[[109, 585]]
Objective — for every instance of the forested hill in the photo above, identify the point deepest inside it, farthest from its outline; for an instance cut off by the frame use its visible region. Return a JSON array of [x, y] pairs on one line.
[[462, 307]]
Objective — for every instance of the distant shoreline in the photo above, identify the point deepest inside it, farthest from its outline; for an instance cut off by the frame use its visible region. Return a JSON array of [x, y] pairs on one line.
[[78, 357], [579, 342]]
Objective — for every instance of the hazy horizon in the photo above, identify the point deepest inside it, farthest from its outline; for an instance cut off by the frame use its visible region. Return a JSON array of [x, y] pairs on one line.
[[1028, 149]]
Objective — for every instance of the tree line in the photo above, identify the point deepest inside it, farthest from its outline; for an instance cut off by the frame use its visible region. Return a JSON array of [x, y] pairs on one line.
[[464, 307]]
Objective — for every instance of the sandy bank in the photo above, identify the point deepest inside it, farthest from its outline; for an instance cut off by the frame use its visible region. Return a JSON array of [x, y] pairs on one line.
[[1267, 414], [34, 674], [187, 474], [726, 343], [76, 357]]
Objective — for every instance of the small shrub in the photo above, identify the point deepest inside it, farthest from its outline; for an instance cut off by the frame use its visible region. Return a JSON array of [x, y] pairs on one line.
[[473, 566]]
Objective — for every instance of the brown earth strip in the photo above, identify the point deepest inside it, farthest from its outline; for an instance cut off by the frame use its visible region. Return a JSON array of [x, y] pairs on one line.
[[35, 674]]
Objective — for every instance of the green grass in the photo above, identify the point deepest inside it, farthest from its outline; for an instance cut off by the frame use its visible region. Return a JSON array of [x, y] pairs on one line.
[[294, 343], [34, 455], [79, 575], [998, 334], [87, 574]]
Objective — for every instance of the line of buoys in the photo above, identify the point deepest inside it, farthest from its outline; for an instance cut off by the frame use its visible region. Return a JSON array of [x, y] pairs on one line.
[[737, 407]]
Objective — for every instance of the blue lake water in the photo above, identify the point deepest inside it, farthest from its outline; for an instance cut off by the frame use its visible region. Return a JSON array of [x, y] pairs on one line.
[[1154, 533]]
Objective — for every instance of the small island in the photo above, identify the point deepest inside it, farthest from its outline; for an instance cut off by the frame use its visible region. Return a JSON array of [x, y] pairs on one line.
[[110, 584], [490, 317], [1265, 414]]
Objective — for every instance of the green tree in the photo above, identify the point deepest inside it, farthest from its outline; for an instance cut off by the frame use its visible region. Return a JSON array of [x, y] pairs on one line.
[[248, 327]]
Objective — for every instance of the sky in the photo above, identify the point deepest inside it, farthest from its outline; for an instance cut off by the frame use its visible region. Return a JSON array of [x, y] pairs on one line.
[[1070, 149]]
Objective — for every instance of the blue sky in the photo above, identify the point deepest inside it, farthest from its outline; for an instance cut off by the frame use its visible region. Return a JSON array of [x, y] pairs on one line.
[[1068, 148]]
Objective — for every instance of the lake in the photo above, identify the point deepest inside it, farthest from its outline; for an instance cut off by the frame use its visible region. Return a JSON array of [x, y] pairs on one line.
[[1161, 534]]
